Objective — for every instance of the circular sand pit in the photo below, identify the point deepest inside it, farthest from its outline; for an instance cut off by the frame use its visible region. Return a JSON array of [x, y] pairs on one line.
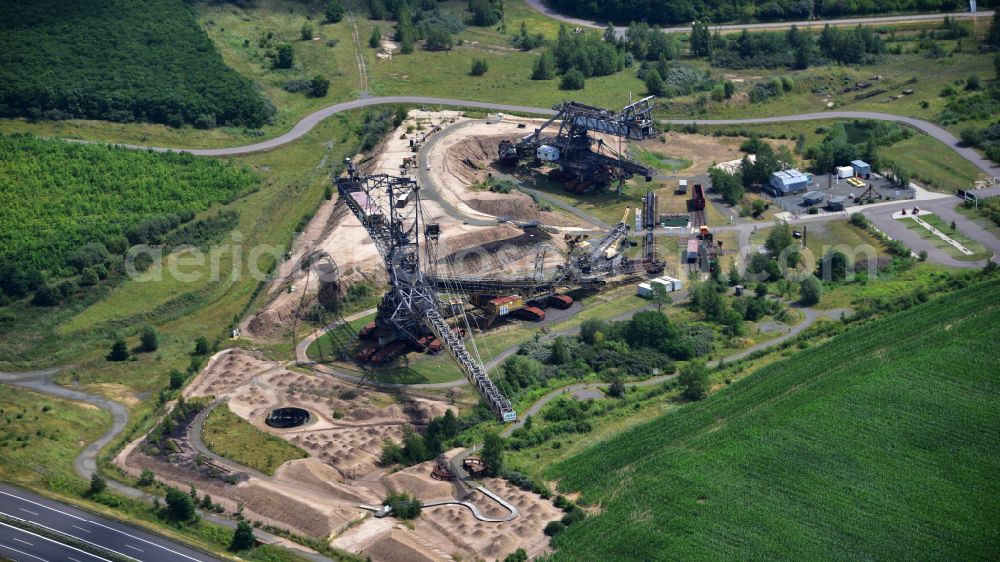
[[284, 418]]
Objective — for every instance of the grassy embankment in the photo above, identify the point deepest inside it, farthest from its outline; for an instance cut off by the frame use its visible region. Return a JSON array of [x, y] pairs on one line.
[[234, 438], [979, 252], [884, 444]]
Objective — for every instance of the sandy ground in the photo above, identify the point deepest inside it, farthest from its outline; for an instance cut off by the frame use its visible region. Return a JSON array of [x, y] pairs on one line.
[[467, 155], [702, 150], [319, 496], [335, 232], [449, 532]]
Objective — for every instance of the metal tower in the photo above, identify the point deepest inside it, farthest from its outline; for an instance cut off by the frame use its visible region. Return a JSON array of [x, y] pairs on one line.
[[389, 209]]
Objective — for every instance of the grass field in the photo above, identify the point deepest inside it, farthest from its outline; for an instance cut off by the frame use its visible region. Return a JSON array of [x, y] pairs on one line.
[[983, 222], [822, 237], [291, 185], [870, 446], [979, 252], [663, 162], [932, 163], [41, 436], [234, 438]]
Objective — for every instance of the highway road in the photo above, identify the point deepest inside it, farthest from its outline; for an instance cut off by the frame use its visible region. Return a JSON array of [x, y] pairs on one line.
[[83, 525], [539, 6]]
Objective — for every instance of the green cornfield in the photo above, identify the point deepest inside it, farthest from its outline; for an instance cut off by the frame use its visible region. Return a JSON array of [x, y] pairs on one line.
[[881, 444]]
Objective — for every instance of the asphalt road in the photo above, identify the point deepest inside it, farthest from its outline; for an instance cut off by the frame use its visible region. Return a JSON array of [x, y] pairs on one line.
[[577, 22], [83, 525], [309, 121]]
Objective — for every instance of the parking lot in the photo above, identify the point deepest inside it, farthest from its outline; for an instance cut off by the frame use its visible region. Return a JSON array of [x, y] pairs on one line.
[[829, 186]]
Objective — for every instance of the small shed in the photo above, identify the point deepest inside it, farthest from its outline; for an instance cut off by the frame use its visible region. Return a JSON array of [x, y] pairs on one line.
[[813, 198], [645, 290], [861, 168], [547, 153], [836, 203], [844, 172]]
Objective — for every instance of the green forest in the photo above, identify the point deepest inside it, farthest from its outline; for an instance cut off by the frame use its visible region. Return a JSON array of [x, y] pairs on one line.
[[71, 207], [871, 445], [719, 11], [119, 60]]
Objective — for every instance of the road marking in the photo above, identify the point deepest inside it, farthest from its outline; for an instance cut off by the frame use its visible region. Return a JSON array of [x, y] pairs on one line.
[[65, 545], [73, 559], [22, 541], [21, 552], [41, 505], [28, 511], [81, 528], [140, 539], [134, 548]]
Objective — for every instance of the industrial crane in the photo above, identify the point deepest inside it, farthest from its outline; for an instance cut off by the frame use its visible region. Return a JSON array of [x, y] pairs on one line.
[[581, 166], [388, 207]]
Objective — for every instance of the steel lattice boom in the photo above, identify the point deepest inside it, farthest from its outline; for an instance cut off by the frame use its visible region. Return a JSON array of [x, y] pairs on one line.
[[389, 209]]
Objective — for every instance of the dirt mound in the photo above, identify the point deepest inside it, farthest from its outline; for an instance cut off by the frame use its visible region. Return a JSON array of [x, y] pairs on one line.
[[416, 481], [471, 160], [276, 503], [398, 547], [227, 371], [323, 477]]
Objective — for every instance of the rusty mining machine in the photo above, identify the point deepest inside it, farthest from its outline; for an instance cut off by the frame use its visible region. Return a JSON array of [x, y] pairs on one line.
[[582, 166], [411, 309]]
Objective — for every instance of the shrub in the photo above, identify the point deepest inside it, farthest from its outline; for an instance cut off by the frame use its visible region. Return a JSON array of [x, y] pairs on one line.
[[97, 484], [572, 80], [180, 506], [119, 351], [149, 340], [554, 528], [694, 381], [285, 57], [243, 538], [403, 505], [544, 67], [147, 478], [810, 291], [479, 67], [319, 86], [334, 11], [201, 346]]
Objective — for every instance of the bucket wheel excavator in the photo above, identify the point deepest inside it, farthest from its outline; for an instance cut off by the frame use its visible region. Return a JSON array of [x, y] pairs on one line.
[[411, 310], [586, 163]]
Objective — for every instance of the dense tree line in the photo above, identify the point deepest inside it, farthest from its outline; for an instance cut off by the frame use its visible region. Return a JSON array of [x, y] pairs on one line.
[[687, 11], [794, 48], [419, 21], [71, 208], [119, 61]]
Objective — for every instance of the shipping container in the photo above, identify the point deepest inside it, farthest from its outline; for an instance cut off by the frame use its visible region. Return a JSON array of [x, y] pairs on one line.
[[668, 285], [645, 290], [501, 306]]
